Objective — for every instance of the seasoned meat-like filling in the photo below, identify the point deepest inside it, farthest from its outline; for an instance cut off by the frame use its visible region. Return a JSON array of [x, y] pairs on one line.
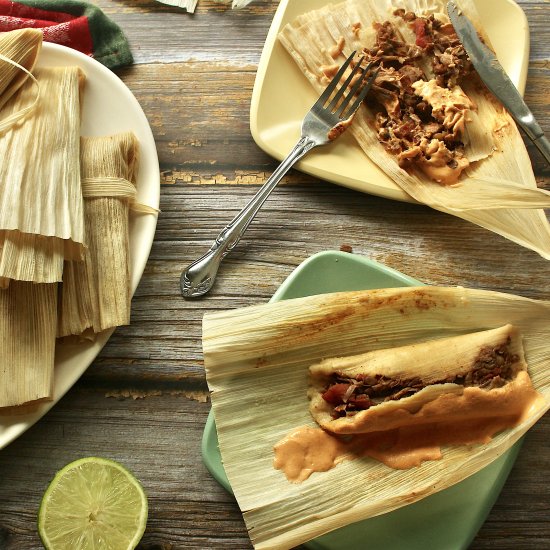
[[421, 121], [493, 368]]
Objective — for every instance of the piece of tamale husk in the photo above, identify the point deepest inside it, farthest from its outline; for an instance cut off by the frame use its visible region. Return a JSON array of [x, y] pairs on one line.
[[22, 47], [257, 361], [28, 317], [498, 191], [29, 257], [41, 205], [96, 293]]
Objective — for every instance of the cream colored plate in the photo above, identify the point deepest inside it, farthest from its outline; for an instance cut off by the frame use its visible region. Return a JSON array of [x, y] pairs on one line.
[[109, 107], [282, 96]]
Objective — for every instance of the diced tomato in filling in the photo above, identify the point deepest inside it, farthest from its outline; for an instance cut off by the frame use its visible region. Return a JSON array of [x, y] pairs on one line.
[[335, 393], [420, 30], [360, 401]]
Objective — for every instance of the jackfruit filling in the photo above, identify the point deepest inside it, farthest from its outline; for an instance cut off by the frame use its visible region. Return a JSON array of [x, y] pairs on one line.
[[421, 122], [493, 368]]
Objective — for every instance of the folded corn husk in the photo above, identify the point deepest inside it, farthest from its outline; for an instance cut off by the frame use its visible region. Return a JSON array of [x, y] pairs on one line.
[[499, 190], [19, 51], [40, 169], [96, 293], [28, 316], [257, 362]]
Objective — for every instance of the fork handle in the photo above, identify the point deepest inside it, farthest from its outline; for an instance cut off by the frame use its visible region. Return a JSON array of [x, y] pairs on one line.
[[198, 278]]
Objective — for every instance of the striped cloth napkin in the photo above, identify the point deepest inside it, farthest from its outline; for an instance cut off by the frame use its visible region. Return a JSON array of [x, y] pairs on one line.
[[72, 23]]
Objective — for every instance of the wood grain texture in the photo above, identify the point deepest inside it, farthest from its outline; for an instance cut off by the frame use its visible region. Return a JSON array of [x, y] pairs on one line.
[[144, 401]]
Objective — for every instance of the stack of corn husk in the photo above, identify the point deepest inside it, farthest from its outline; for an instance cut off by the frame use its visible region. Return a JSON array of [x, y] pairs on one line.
[[64, 209], [257, 361], [498, 191]]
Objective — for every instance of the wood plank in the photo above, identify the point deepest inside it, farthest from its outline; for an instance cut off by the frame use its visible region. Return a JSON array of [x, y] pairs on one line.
[[235, 35], [144, 401]]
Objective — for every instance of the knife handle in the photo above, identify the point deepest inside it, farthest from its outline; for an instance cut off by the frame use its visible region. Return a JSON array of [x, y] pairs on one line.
[[543, 145], [534, 132]]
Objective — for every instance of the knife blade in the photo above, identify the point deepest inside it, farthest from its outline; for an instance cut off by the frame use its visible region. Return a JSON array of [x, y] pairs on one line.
[[494, 77]]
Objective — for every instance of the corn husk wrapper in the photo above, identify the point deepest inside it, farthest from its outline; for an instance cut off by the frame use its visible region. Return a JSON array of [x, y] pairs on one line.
[[96, 293], [28, 317], [19, 51], [40, 169], [29, 257], [257, 361], [499, 190]]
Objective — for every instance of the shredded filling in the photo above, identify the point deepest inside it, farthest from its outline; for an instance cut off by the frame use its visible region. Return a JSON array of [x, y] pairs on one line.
[[421, 122], [493, 368]]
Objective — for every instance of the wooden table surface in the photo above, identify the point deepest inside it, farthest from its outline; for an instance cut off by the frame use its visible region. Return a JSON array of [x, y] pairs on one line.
[[144, 401]]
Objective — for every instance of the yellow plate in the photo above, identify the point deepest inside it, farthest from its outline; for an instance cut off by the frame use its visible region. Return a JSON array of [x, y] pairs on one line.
[[282, 96]]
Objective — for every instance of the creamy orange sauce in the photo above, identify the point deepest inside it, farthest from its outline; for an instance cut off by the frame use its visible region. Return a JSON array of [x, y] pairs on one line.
[[339, 129], [337, 49], [309, 449], [449, 106]]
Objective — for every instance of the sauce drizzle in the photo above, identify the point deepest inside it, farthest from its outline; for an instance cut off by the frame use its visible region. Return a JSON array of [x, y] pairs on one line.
[[309, 449]]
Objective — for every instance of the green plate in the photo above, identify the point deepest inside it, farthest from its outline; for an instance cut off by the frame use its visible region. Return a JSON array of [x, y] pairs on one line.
[[447, 520]]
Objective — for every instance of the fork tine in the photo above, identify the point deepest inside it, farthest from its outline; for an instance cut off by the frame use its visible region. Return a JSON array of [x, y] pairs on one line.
[[363, 93], [339, 94], [334, 82], [354, 90]]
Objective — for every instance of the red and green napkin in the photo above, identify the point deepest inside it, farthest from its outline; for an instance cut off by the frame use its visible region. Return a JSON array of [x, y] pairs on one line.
[[73, 23]]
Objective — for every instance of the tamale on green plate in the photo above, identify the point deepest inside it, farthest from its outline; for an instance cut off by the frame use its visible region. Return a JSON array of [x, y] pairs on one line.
[[489, 180], [248, 391]]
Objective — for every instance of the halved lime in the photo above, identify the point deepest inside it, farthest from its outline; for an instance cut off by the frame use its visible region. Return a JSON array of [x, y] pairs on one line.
[[92, 503]]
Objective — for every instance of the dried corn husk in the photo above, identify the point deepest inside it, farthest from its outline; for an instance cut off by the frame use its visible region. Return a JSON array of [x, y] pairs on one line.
[[20, 47], [29, 257], [28, 316], [96, 293], [257, 362], [499, 190], [40, 169]]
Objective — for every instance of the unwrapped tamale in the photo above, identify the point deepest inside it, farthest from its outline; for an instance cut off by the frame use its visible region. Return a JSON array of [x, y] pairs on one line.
[[463, 378], [429, 123]]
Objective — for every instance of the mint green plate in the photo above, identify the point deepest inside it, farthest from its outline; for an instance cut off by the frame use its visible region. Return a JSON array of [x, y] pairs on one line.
[[447, 520]]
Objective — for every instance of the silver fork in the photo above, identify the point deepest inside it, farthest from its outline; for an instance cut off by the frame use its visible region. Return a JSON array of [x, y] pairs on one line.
[[327, 119]]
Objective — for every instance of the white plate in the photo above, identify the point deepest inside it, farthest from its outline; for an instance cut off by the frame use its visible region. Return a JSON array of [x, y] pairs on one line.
[[109, 107], [282, 96]]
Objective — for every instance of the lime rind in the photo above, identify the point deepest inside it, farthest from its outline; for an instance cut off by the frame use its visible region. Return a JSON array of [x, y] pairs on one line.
[[93, 503]]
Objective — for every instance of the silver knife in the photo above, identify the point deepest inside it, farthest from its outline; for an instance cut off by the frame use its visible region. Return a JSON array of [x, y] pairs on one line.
[[494, 77]]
